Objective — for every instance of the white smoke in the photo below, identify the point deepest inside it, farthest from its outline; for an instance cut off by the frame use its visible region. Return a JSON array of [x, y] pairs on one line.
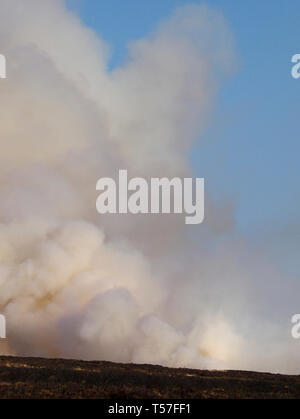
[[121, 288]]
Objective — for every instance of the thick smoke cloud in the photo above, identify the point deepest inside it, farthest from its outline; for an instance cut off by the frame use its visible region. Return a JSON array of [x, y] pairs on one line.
[[121, 288]]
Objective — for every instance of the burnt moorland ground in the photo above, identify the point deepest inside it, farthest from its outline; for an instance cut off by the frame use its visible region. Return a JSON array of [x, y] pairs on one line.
[[57, 378]]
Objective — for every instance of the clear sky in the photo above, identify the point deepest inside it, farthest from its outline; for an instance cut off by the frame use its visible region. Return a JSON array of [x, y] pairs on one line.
[[251, 150]]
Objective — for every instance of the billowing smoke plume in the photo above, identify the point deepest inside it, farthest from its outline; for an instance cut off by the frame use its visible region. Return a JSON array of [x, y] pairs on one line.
[[123, 288]]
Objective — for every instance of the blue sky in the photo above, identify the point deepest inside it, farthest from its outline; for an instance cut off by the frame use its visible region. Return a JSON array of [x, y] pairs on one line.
[[251, 149]]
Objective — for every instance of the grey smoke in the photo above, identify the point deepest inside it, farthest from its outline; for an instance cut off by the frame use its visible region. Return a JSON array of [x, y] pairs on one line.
[[122, 288]]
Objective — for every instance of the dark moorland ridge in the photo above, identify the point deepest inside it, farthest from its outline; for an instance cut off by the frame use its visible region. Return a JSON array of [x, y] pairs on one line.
[[57, 378]]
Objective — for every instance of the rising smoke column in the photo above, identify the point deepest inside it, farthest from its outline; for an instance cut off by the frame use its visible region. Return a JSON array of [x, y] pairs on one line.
[[120, 288]]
